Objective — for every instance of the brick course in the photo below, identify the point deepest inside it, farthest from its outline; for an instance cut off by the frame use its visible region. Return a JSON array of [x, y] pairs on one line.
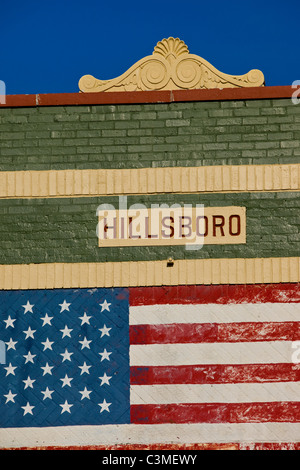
[[150, 135], [64, 230]]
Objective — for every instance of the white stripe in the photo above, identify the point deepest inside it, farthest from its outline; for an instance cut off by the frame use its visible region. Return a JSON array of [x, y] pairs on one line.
[[214, 313], [150, 434], [217, 393], [264, 352]]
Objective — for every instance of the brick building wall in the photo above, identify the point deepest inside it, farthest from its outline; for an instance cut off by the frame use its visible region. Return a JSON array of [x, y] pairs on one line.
[[138, 136], [235, 304]]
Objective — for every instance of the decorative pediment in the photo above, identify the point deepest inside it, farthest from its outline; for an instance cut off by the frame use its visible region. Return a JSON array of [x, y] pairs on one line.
[[171, 67]]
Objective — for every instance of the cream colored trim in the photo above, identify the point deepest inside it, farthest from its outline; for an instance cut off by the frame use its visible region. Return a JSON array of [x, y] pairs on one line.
[[171, 67], [206, 179], [150, 273]]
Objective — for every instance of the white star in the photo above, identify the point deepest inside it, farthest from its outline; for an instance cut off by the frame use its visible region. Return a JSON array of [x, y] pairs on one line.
[[105, 379], [29, 357], [85, 343], [10, 370], [85, 319], [104, 406], [46, 320], [85, 393], [105, 355], [47, 344], [47, 393], [11, 344], [84, 369], [64, 306], [28, 307], [9, 322], [66, 381], [105, 306], [66, 332], [47, 369], [65, 407], [27, 409], [28, 382], [10, 397], [66, 355], [29, 333], [104, 331]]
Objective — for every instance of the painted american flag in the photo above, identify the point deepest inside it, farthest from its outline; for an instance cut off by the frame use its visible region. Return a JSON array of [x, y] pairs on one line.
[[146, 366], [67, 358]]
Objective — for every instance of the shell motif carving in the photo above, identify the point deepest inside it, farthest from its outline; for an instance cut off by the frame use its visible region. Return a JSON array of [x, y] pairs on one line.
[[171, 67], [170, 47]]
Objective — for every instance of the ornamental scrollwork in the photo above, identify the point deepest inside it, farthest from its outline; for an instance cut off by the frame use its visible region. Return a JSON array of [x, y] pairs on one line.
[[171, 67]]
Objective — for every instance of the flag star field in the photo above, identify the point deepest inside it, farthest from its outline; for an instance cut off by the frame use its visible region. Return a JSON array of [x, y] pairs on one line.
[[67, 357]]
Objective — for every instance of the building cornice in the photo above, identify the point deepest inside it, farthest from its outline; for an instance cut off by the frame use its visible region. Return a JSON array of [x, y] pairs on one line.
[[144, 97]]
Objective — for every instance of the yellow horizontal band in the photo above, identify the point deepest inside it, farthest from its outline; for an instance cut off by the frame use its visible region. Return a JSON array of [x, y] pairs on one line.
[[101, 182], [150, 273]]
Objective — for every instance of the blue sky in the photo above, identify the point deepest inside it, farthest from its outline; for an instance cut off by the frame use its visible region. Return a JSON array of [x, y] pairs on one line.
[[47, 46]]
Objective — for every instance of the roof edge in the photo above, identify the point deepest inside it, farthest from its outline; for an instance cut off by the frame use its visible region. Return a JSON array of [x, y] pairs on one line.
[[143, 97]]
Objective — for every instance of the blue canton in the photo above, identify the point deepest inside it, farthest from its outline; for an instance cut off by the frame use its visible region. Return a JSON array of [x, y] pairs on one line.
[[67, 357]]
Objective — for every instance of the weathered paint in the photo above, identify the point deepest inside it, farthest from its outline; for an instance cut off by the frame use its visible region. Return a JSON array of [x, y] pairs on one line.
[[265, 139], [164, 96], [172, 447]]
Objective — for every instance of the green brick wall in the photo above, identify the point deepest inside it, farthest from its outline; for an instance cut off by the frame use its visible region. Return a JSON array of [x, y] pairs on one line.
[[64, 230], [136, 136], [152, 135]]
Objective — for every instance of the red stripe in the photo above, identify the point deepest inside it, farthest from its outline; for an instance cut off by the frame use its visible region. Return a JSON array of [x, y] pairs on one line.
[[159, 446], [213, 332], [216, 413], [174, 333], [270, 446], [220, 294], [258, 331], [215, 374]]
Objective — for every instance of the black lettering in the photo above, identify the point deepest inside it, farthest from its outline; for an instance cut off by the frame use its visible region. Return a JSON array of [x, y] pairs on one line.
[[198, 220], [182, 226], [170, 227], [147, 229], [107, 227], [219, 225], [238, 225], [130, 229]]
